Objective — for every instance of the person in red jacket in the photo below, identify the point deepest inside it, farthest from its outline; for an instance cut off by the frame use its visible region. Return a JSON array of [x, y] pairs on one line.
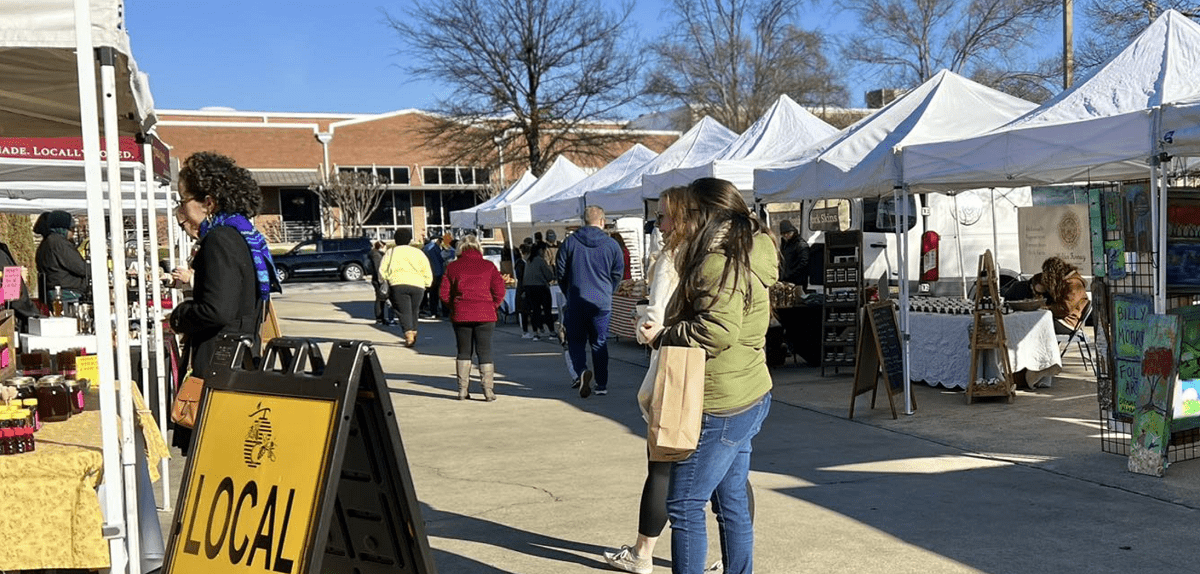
[[473, 289]]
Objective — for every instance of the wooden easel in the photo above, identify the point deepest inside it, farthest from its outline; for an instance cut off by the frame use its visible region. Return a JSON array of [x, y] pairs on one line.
[[983, 340]]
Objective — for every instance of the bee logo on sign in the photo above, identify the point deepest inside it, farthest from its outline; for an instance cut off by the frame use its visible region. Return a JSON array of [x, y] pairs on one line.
[[259, 441]]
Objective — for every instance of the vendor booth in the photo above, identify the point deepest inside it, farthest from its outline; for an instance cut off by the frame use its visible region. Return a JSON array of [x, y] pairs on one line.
[[51, 110], [1109, 128]]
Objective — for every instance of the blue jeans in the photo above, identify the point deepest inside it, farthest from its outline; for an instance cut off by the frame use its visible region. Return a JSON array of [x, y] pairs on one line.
[[717, 471], [587, 325]]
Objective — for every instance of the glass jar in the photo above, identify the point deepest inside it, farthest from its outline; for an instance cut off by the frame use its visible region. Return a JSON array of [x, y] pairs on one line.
[[26, 391], [75, 388], [66, 363], [36, 363], [54, 399]]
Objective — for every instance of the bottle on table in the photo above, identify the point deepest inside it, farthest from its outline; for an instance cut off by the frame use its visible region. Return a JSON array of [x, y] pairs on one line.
[[56, 303]]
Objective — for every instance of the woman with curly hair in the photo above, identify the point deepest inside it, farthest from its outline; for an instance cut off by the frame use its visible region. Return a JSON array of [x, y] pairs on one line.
[[726, 261], [232, 270], [1066, 293]]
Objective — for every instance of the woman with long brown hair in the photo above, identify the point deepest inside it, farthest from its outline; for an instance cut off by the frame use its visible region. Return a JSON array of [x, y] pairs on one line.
[[726, 261], [1066, 291]]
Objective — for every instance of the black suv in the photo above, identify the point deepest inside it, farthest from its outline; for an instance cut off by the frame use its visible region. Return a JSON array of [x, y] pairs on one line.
[[345, 258]]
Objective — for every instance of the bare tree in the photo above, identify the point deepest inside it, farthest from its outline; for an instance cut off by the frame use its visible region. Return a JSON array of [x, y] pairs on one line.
[[731, 59], [905, 42], [1112, 24], [348, 198], [535, 78]]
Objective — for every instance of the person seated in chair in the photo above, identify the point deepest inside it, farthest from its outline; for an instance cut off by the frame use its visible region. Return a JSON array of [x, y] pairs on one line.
[[1065, 292]]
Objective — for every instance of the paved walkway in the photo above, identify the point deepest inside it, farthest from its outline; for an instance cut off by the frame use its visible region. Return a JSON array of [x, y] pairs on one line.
[[541, 481]]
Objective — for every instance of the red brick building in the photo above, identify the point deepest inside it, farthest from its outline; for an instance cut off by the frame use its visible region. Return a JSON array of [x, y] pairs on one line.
[[286, 153]]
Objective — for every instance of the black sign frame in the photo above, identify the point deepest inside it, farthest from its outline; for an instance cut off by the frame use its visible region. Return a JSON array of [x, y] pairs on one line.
[[353, 379]]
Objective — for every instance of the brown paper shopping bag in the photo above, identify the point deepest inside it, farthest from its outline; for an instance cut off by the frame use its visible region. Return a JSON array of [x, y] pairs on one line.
[[676, 404]]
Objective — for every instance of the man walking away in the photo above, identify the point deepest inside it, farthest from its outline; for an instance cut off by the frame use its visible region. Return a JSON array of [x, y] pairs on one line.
[[433, 250], [589, 267]]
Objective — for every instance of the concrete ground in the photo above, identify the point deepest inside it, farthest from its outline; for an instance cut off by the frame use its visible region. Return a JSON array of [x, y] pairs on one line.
[[541, 481]]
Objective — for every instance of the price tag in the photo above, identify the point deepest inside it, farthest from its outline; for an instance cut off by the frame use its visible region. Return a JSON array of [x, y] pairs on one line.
[[88, 367], [12, 283]]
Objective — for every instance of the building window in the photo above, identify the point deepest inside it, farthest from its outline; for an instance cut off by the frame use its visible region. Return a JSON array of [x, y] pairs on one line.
[[395, 175], [455, 175]]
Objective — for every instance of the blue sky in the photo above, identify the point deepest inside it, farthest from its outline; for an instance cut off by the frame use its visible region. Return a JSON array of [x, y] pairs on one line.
[[298, 56]]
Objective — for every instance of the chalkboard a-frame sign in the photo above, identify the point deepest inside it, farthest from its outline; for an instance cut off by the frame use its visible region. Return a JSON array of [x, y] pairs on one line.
[[879, 353], [297, 472]]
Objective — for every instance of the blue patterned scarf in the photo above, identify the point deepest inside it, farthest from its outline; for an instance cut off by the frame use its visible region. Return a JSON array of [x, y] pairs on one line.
[[264, 266]]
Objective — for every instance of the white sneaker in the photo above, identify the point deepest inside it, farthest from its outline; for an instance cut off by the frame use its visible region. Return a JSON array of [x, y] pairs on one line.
[[624, 559], [527, 335], [717, 566]]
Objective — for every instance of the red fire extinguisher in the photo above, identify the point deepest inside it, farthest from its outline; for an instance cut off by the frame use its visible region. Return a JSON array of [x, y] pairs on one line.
[[929, 256]]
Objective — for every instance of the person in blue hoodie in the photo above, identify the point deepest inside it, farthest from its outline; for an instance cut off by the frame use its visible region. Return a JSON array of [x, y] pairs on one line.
[[437, 263], [589, 267]]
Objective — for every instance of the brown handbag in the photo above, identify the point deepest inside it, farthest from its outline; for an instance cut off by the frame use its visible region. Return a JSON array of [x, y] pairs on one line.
[[186, 407]]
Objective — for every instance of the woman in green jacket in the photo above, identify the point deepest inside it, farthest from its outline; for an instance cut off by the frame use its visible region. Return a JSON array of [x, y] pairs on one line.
[[726, 261]]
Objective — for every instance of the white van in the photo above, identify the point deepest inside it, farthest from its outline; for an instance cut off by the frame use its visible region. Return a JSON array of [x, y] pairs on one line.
[[963, 223]]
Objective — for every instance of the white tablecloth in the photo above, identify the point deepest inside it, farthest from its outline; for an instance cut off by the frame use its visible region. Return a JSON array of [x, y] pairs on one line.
[[940, 349]]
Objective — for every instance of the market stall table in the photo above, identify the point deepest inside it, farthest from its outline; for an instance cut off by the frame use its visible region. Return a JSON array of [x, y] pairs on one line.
[[624, 316], [49, 510], [941, 354]]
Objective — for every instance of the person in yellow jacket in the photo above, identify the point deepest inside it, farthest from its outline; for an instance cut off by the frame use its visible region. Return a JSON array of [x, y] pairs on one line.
[[407, 272]]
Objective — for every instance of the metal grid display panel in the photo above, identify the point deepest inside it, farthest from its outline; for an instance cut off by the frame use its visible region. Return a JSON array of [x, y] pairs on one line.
[[1139, 277]]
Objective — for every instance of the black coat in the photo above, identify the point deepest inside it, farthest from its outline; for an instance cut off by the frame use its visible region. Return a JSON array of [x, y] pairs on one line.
[[224, 297], [794, 267], [60, 265], [224, 300]]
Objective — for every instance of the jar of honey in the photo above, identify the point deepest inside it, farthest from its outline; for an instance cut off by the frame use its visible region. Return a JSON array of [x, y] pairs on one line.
[[75, 388], [66, 363], [54, 399], [26, 391]]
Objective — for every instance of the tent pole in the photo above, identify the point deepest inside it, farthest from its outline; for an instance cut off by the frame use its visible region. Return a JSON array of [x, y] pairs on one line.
[[1163, 192], [962, 271], [155, 320], [900, 199], [1156, 215], [114, 509], [139, 266], [121, 305]]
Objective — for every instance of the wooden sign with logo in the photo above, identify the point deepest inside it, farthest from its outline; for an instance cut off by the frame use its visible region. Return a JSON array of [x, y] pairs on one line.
[[297, 472]]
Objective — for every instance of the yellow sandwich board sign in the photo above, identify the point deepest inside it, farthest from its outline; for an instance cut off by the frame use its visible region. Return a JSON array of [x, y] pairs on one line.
[[280, 455]]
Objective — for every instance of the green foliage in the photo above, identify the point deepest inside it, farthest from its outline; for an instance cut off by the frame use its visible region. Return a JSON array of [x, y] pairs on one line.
[[17, 231]]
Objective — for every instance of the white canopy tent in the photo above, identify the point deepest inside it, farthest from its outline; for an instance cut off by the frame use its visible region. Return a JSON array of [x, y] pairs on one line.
[[568, 204], [699, 145], [51, 90], [1103, 129], [465, 218], [515, 207], [861, 161], [784, 130]]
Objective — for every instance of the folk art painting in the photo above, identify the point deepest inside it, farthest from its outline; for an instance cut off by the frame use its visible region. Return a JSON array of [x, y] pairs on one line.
[[1186, 399], [1152, 416]]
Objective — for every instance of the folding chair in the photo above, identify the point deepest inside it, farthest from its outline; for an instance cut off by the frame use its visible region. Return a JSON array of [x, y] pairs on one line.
[[1081, 341]]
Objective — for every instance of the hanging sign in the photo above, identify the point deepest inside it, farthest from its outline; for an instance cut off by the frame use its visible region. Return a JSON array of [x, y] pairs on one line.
[[11, 284]]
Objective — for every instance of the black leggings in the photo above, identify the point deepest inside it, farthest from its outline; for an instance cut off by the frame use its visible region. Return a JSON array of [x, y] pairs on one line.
[[652, 515], [406, 299], [537, 298], [477, 336]]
